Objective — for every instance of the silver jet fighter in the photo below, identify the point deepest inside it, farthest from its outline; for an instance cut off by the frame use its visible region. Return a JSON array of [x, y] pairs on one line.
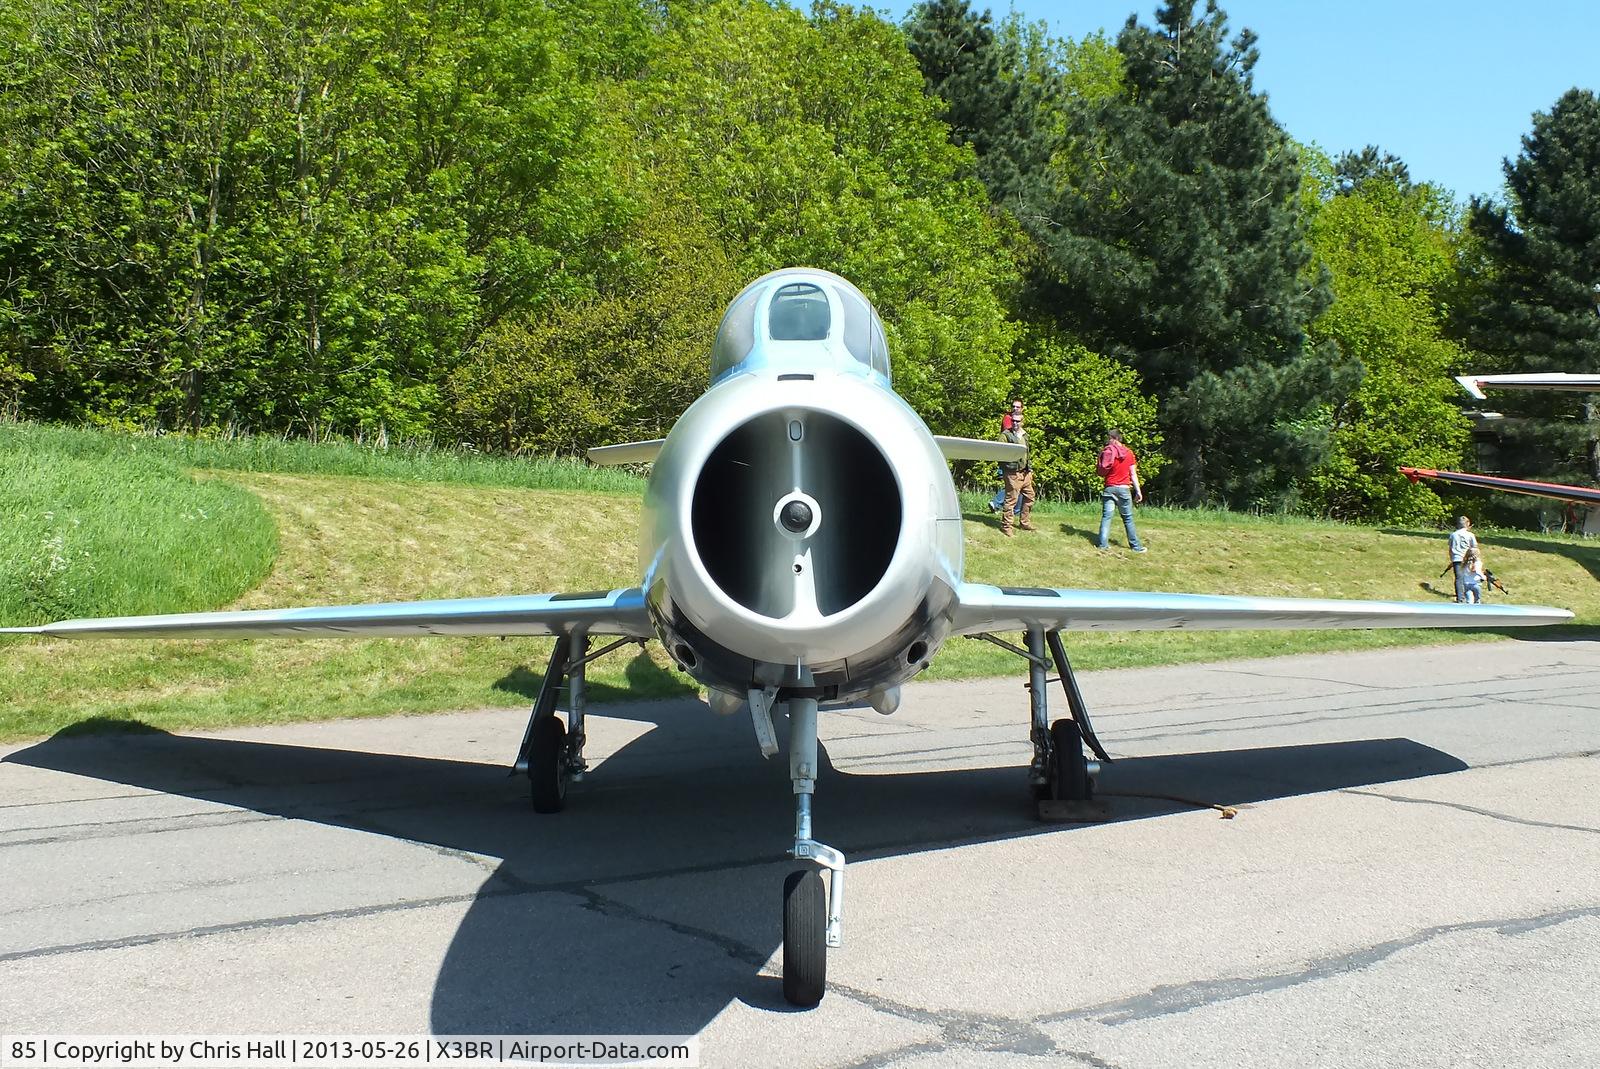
[[802, 546]]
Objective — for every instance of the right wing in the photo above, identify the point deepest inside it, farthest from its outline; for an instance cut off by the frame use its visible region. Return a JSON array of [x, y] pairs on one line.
[[616, 612], [982, 608]]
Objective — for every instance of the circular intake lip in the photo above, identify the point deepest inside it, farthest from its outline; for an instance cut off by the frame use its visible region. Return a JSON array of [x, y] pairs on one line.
[[886, 424], [850, 470]]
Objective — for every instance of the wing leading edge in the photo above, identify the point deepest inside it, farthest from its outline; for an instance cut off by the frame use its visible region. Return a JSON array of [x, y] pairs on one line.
[[990, 608], [616, 612]]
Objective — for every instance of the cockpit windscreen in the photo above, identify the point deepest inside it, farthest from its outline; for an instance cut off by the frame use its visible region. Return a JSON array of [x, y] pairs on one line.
[[799, 312]]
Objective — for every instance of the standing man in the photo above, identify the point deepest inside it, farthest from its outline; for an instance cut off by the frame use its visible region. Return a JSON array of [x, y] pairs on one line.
[[1000, 494], [1461, 540], [1018, 476], [1120, 468]]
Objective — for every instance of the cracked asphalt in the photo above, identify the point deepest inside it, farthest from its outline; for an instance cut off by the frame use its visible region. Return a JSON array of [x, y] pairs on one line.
[[1410, 876]]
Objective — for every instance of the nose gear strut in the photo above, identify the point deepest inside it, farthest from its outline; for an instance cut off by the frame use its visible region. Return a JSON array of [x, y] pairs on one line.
[[811, 919]]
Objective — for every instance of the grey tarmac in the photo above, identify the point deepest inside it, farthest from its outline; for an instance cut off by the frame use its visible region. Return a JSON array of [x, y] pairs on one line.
[[1370, 859]]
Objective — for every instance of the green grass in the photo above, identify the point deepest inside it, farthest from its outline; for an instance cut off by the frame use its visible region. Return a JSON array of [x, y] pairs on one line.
[[91, 532], [347, 537], [406, 461]]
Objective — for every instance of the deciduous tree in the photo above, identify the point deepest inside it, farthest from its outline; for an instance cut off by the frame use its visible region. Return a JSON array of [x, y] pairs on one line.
[[1389, 249], [1074, 397]]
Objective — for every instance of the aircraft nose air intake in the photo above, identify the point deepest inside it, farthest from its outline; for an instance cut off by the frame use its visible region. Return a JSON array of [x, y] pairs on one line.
[[796, 513]]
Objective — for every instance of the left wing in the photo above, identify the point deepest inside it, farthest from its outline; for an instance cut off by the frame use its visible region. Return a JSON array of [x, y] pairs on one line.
[[978, 449], [983, 608], [616, 612]]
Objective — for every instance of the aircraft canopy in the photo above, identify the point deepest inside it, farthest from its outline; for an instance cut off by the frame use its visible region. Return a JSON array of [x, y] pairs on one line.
[[796, 306]]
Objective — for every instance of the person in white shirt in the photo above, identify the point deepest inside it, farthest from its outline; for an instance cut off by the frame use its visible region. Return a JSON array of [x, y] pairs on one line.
[[1461, 540]]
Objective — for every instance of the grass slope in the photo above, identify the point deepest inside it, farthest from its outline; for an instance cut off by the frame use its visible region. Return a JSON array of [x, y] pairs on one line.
[[100, 529], [406, 461], [341, 540], [357, 538]]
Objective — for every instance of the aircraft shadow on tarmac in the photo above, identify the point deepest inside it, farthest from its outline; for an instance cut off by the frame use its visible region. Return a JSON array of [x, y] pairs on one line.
[[651, 903]]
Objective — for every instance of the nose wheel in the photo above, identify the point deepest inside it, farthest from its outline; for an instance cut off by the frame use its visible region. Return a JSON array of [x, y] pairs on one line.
[[812, 909], [805, 948]]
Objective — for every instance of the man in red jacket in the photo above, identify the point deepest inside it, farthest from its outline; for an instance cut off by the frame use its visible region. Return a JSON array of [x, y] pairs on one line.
[[1120, 468]]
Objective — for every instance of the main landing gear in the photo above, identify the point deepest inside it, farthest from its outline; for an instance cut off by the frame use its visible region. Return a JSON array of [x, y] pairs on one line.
[[1060, 771], [551, 754]]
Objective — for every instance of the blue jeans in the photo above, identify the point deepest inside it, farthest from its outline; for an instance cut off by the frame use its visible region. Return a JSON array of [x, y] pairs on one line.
[[1121, 499], [999, 499]]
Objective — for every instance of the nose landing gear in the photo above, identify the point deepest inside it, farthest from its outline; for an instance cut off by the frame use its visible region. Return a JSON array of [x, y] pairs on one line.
[[812, 913]]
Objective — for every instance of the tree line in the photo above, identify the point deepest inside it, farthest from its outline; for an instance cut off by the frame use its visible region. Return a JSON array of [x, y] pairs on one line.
[[513, 225]]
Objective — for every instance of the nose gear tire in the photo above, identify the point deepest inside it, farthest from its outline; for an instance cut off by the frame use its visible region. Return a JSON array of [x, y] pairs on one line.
[[805, 950]]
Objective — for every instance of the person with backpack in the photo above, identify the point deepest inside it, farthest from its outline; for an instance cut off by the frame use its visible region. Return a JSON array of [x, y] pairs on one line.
[[1018, 476], [1000, 473]]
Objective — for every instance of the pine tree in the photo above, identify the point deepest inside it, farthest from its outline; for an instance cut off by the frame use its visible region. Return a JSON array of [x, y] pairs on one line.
[[991, 103], [1352, 170], [1176, 242], [1540, 287]]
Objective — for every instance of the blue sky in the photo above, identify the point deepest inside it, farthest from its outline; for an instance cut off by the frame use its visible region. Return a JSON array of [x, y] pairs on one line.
[[1449, 87]]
